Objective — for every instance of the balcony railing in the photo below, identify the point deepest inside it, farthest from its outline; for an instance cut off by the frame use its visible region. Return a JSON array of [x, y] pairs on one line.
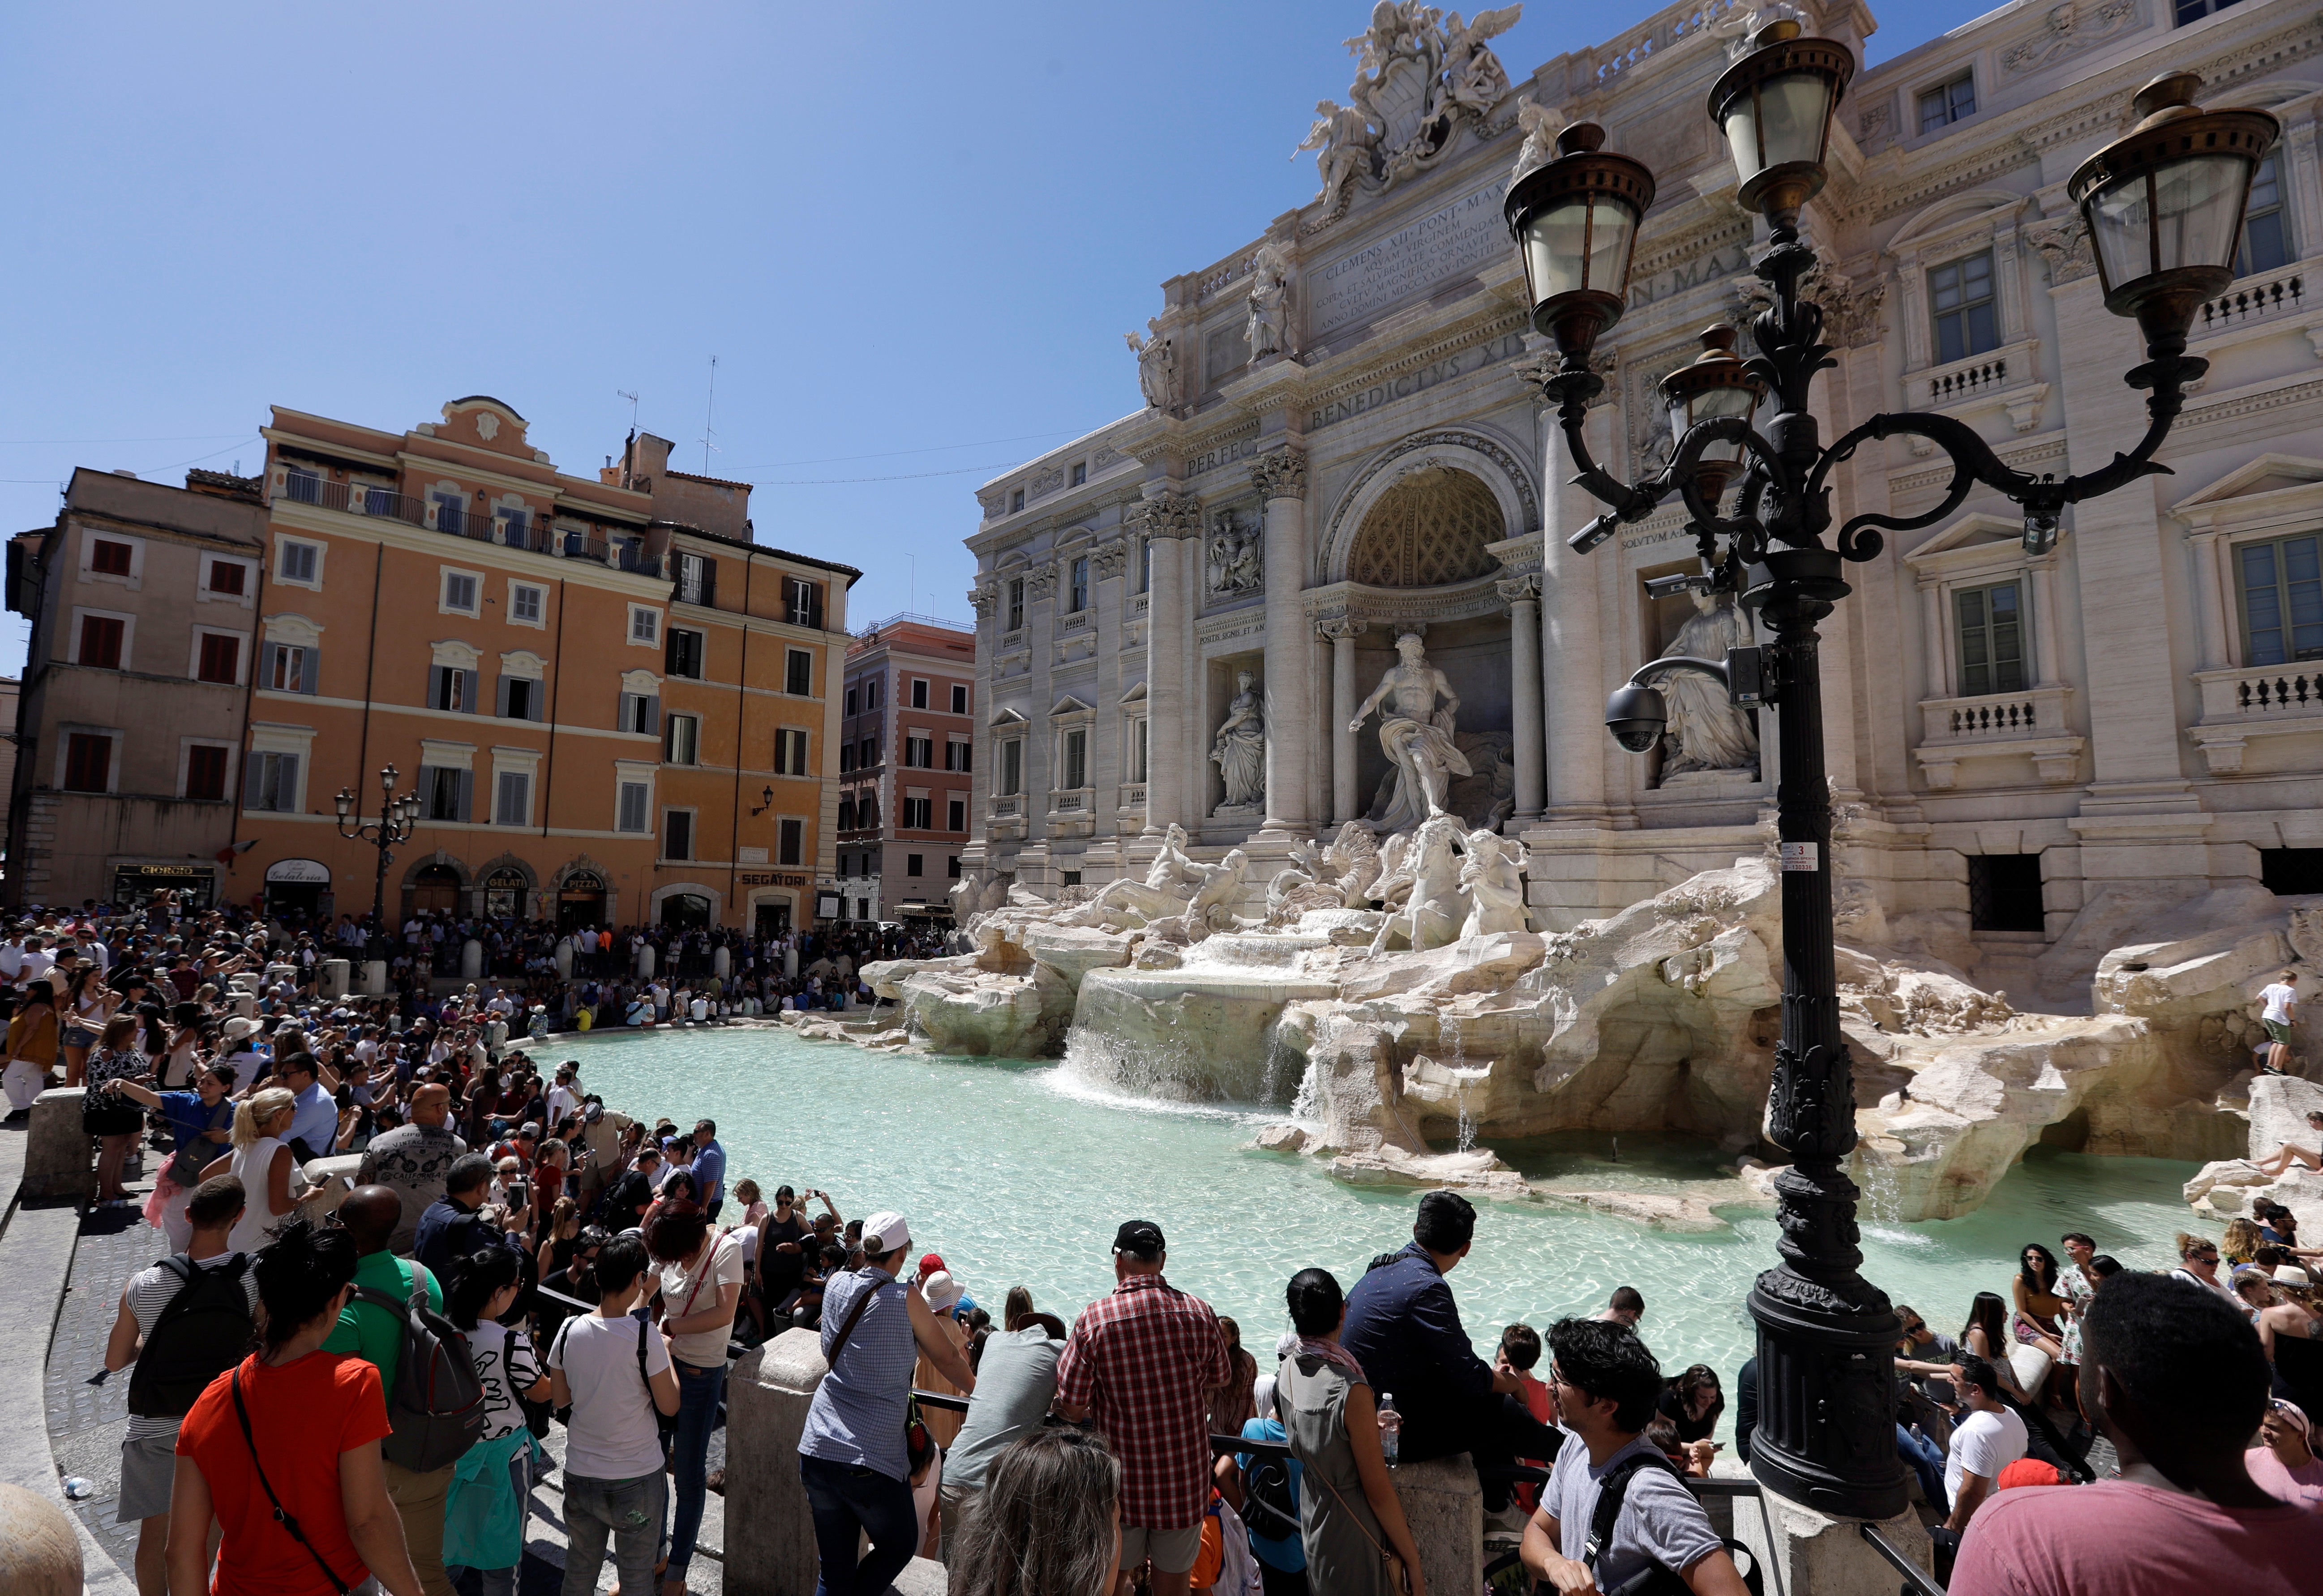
[[2032, 724], [1133, 796], [2261, 701], [1966, 382], [1072, 801], [2250, 302], [1004, 808]]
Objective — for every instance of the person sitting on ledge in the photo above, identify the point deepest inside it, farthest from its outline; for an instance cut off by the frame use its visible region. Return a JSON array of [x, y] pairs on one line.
[[1404, 1328], [2287, 1155]]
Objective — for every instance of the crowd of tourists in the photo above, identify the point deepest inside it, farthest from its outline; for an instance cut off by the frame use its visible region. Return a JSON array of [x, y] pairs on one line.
[[510, 1255]]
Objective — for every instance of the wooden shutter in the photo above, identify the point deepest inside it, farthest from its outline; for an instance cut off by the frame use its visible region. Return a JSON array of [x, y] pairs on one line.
[[461, 810]]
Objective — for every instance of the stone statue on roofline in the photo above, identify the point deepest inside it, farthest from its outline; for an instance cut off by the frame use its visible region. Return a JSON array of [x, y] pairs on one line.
[[1157, 364]]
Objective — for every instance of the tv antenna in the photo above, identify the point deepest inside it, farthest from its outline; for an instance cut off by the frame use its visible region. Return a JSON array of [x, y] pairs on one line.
[[709, 408], [632, 397]]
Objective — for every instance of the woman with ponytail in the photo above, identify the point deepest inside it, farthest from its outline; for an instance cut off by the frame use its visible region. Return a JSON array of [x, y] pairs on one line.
[[283, 1451], [262, 1162], [484, 1511]]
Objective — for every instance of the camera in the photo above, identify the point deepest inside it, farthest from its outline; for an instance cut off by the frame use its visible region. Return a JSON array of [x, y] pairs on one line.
[[1635, 717]]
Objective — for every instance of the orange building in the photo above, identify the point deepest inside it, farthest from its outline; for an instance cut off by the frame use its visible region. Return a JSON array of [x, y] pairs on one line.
[[905, 767], [612, 705]]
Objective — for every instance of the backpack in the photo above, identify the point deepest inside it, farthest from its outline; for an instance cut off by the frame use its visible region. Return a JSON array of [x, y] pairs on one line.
[[1269, 1510], [438, 1411], [1654, 1579], [203, 1332]]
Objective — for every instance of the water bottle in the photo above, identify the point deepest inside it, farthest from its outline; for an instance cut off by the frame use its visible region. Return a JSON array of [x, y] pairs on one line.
[[1391, 1423]]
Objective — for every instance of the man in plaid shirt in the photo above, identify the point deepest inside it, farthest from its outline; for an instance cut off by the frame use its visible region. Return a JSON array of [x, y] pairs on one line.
[[1144, 1362]]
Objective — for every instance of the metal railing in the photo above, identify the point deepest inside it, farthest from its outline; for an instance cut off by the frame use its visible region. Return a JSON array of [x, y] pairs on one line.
[[1917, 1582], [531, 532]]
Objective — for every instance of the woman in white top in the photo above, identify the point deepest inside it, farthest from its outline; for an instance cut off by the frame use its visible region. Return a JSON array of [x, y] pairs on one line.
[[262, 1162]]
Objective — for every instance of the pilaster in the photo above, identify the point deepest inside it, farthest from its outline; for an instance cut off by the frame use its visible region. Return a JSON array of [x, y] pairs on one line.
[[1281, 475]]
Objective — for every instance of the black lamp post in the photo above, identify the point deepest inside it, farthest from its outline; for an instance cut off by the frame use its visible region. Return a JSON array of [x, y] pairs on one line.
[[2164, 204], [396, 819]]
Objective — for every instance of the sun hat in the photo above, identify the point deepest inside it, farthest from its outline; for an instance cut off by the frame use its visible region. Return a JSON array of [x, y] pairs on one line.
[[940, 1290]]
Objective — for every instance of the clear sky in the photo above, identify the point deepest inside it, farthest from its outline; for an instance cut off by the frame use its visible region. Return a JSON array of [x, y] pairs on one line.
[[911, 235]]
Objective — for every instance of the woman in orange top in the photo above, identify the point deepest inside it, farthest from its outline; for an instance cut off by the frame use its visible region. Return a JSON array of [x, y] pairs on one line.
[[296, 1426]]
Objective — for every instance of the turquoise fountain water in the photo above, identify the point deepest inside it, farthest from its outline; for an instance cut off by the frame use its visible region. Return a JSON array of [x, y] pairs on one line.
[[1018, 1173]]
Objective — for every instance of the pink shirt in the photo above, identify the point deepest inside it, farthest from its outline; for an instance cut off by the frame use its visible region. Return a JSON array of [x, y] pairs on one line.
[[2302, 1486], [2125, 1539]]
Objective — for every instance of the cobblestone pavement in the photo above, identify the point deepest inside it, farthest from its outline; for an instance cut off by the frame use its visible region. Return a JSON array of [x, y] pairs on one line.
[[85, 1422]]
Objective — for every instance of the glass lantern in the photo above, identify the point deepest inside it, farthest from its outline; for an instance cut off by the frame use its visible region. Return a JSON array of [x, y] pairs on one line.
[[1716, 386], [1774, 107], [2164, 204], [1574, 220]]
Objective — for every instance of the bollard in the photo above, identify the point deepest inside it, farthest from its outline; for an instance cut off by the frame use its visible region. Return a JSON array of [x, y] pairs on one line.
[[374, 977], [40, 1555], [59, 1156], [471, 961], [1445, 1507], [334, 983]]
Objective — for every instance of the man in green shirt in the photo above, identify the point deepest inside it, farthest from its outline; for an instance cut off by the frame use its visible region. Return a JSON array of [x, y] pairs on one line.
[[370, 1214]]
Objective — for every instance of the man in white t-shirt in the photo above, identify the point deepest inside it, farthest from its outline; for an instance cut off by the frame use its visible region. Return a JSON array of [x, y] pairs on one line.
[[565, 1096], [1988, 1437], [613, 1480], [2280, 998]]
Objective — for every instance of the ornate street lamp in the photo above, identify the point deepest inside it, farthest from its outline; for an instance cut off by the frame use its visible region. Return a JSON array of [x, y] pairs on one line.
[[396, 816], [2164, 204]]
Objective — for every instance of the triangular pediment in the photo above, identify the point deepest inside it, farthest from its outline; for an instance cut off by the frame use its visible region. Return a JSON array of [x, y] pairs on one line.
[[1135, 695], [1009, 718], [1969, 532], [1067, 705], [2269, 473]]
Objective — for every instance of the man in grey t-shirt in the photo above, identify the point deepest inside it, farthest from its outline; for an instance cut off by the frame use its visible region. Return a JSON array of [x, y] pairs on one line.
[[1016, 1383], [413, 1159], [1607, 1384]]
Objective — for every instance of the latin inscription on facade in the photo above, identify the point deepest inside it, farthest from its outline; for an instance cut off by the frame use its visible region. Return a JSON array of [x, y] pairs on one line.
[[1448, 243], [1404, 384], [1224, 455]]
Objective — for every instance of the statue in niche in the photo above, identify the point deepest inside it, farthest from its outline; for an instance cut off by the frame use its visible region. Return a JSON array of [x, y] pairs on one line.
[[1238, 554], [1270, 300], [1157, 365], [1240, 750], [1126, 905], [1417, 736], [1493, 879], [1706, 731]]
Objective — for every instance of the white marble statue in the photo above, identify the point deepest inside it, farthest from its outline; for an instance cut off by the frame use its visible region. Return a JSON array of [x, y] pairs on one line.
[[1493, 879], [1474, 80], [1344, 143], [1270, 300], [1240, 750], [1212, 908], [1417, 736], [1432, 913], [1125, 905], [1157, 365], [1541, 126], [1238, 554], [1706, 731]]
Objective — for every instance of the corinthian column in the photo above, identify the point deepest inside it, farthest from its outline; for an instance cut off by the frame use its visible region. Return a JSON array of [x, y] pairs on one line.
[[1341, 633], [1281, 478], [1169, 518], [1523, 594]]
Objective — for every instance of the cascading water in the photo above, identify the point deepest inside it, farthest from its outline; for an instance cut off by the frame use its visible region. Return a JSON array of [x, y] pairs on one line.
[[1307, 1104]]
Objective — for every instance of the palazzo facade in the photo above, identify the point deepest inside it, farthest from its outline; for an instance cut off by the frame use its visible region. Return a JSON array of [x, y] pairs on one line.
[[1181, 615]]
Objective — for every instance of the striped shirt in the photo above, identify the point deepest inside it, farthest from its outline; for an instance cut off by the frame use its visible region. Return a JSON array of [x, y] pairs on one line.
[[857, 1418]]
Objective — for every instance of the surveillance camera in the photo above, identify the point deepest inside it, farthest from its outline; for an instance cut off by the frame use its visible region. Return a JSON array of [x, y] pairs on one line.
[[1635, 717], [1671, 586], [1595, 533]]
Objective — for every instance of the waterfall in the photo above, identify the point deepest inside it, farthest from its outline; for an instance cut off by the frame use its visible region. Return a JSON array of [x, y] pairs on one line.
[[1307, 1104], [1275, 1077], [1467, 1125]]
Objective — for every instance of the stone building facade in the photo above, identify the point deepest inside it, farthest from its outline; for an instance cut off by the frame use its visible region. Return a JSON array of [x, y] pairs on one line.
[[136, 689], [906, 765], [1181, 614]]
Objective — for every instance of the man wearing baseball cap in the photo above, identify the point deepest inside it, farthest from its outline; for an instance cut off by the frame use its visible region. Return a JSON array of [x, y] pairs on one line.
[[852, 1455], [1143, 1363]]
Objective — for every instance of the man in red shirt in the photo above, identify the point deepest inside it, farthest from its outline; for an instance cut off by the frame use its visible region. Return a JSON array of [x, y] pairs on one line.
[[2176, 1379], [1143, 1363]]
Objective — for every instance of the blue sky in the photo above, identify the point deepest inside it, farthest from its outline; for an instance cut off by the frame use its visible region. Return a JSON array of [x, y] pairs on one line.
[[912, 235]]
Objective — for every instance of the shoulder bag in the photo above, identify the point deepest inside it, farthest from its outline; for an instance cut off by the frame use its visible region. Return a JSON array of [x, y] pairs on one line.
[[282, 1518]]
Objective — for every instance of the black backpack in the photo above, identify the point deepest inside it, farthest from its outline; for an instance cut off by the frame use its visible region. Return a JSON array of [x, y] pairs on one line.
[[1268, 1508], [439, 1409], [1654, 1579], [202, 1333]]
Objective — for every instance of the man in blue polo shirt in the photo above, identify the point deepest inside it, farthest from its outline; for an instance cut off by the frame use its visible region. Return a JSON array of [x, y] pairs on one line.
[[709, 1167], [1404, 1328]]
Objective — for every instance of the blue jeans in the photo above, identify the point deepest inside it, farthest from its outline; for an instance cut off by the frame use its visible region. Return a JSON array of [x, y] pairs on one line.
[[700, 1392], [846, 1500], [1925, 1459]]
